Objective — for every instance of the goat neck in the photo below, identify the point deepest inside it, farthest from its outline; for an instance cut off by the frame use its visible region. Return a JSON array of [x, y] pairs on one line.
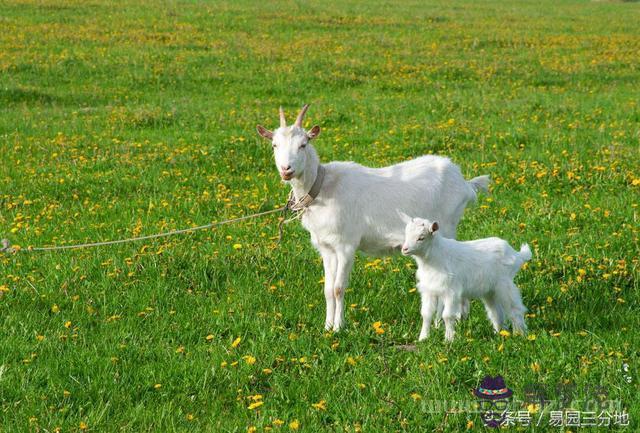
[[302, 184], [426, 255]]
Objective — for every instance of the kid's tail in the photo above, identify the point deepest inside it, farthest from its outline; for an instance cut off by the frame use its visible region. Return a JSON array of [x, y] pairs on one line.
[[480, 183], [525, 253]]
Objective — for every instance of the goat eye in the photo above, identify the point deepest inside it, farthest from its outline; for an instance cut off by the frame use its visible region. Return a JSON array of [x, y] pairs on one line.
[[302, 146], [274, 145], [421, 238]]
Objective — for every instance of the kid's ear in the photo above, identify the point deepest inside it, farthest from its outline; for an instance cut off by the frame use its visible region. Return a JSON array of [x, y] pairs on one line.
[[264, 132], [434, 227], [403, 216], [313, 132]]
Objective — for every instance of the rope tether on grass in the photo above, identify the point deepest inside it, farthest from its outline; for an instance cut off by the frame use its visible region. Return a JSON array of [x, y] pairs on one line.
[[6, 246]]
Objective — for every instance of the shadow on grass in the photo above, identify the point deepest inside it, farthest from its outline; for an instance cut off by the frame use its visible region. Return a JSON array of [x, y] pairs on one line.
[[14, 96]]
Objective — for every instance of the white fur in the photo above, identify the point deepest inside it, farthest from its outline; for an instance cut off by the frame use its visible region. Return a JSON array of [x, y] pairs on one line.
[[356, 207], [450, 271]]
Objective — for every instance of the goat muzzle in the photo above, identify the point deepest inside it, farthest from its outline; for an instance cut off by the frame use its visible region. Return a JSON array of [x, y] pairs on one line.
[[287, 175]]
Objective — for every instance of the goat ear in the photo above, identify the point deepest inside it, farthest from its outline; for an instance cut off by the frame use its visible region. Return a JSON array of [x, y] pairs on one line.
[[434, 227], [313, 132], [403, 216], [264, 132]]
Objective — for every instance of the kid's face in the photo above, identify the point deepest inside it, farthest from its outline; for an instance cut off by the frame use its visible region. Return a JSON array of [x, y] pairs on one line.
[[415, 234]]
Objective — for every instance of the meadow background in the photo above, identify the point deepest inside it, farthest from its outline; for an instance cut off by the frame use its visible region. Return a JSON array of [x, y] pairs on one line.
[[129, 118]]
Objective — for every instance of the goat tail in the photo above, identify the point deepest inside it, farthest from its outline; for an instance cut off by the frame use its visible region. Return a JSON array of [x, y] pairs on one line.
[[525, 253], [480, 183]]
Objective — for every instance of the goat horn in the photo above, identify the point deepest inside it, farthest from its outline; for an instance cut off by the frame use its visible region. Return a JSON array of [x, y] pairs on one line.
[[301, 115], [283, 122]]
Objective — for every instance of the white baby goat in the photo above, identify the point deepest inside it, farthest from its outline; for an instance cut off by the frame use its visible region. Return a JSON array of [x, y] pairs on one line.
[[450, 271], [355, 207]]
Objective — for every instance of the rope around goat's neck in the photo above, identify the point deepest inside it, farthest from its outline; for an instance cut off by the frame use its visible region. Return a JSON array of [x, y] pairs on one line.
[[6, 246]]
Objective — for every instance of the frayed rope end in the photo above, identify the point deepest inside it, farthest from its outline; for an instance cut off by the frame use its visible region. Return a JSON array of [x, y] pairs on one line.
[[6, 247]]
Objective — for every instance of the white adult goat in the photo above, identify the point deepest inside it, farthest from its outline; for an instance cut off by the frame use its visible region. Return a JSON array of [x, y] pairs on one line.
[[450, 272], [354, 207]]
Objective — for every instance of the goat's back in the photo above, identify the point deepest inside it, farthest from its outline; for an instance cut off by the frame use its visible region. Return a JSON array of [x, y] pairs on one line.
[[359, 204], [491, 255]]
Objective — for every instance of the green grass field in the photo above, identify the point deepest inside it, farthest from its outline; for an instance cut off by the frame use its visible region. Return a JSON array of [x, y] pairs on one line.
[[136, 118]]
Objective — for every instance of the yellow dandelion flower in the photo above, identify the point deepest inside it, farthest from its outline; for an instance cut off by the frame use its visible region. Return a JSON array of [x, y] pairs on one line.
[[255, 405], [377, 326], [321, 405], [294, 425], [236, 342]]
